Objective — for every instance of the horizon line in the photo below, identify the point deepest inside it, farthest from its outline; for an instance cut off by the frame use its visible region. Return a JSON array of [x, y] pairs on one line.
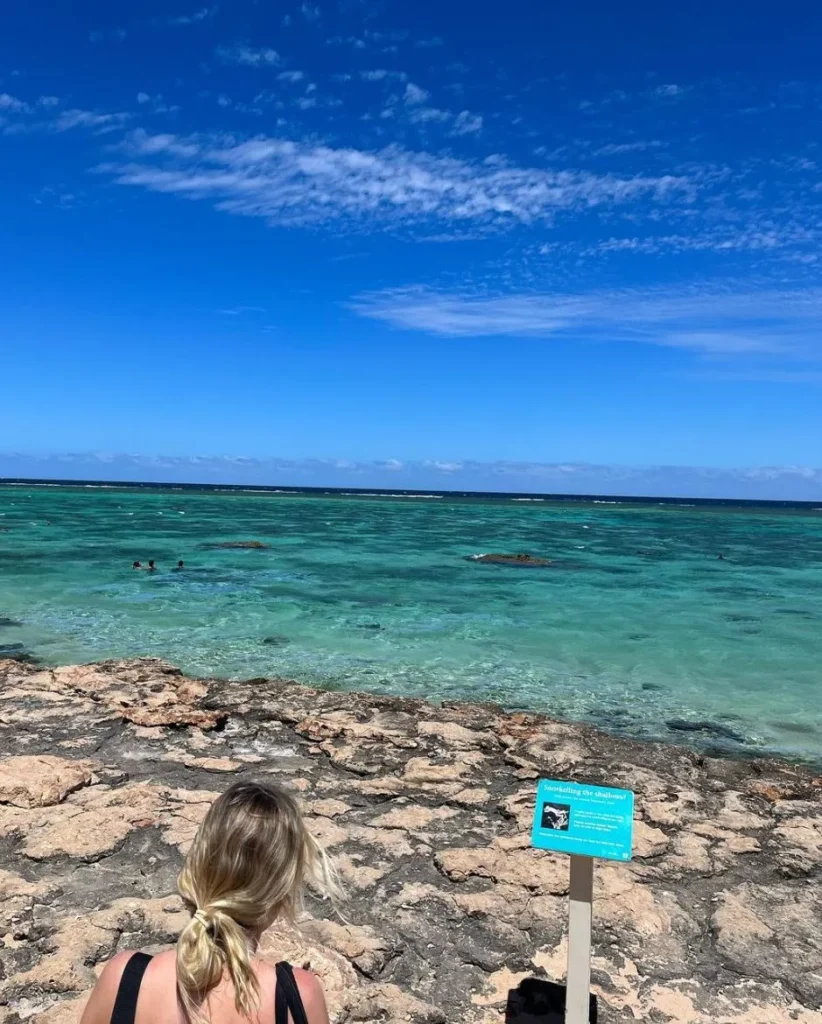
[[673, 499]]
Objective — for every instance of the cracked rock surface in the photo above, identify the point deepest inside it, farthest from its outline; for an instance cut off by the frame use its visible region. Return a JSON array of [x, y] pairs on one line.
[[106, 771]]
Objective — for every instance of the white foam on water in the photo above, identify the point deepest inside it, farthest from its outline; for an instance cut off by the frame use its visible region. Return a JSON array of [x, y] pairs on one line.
[[376, 494]]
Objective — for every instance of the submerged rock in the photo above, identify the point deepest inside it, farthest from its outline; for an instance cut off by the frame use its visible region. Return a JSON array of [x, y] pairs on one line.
[[276, 641], [521, 561], [17, 652], [710, 728], [4, 621], [255, 545]]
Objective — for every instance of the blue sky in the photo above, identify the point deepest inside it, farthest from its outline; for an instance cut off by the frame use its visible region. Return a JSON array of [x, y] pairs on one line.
[[418, 235]]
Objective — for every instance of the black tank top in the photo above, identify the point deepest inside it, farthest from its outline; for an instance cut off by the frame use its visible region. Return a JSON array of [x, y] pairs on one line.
[[287, 997]]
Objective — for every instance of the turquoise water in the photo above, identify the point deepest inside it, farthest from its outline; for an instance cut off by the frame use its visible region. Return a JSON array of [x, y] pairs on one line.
[[635, 624]]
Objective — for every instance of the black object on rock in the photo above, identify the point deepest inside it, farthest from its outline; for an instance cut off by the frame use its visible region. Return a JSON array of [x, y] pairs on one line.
[[536, 1001]]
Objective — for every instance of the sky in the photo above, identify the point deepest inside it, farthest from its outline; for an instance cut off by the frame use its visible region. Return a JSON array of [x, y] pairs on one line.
[[447, 244]]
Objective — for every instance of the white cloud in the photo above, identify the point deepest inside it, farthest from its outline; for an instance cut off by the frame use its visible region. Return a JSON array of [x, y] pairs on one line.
[[291, 76], [289, 182], [192, 19], [12, 104], [143, 97], [379, 74], [669, 90], [48, 101], [702, 321], [424, 115], [414, 94], [311, 12], [466, 123], [87, 119], [717, 238], [618, 148], [248, 55], [358, 44]]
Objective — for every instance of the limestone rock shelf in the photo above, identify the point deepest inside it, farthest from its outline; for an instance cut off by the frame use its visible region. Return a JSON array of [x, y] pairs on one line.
[[106, 771]]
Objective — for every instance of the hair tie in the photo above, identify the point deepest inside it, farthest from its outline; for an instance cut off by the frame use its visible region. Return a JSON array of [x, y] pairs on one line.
[[201, 916]]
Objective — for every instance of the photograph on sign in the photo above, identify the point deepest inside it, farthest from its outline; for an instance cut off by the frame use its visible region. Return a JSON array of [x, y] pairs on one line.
[[590, 821], [556, 816]]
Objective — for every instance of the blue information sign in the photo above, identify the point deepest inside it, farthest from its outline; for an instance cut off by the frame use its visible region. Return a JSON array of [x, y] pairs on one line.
[[592, 821]]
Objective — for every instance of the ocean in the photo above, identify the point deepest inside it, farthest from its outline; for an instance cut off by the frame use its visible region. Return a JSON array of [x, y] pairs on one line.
[[636, 625]]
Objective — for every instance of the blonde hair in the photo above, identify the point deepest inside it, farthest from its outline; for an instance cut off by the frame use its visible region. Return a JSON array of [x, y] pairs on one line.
[[250, 861]]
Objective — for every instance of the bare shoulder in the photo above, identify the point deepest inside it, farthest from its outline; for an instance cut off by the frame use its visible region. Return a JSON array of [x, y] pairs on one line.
[[313, 997], [101, 1001]]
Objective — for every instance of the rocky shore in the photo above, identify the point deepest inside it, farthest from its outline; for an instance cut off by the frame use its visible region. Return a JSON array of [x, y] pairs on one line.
[[106, 771]]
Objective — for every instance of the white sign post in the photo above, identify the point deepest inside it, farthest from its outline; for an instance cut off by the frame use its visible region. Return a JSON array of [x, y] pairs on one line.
[[585, 822], [578, 985]]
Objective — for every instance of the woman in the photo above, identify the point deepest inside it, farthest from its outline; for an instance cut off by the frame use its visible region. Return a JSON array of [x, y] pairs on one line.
[[247, 868]]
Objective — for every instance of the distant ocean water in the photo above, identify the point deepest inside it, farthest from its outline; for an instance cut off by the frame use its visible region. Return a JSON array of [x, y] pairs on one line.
[[637, 626]]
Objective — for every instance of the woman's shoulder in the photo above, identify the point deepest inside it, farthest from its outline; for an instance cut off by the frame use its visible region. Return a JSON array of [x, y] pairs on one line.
[[101, 1002], [312, 995], [112, 973]]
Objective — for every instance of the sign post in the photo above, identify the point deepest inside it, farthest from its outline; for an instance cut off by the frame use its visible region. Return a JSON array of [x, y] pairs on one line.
[[585, 822], [578, 984]]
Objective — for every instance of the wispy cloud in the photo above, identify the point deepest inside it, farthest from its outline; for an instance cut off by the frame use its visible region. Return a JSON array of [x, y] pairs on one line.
[[203, 14], [798, 238], [288, 182], [466, 123], [619, 148], [707, 321], [248, 55], [669, 90], [76, 118], [311, 12], [291, 76], [381, 74], [41, 115], [414, 94], [12, 104]]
